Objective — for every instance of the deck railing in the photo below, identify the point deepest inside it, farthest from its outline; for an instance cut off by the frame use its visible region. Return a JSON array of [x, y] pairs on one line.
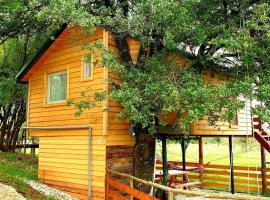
[[247, 179], [115, 190]]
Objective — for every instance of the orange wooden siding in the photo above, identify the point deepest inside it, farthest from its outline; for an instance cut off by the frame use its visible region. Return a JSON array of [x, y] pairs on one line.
[[63, 155], [118, 130], [244, 127]]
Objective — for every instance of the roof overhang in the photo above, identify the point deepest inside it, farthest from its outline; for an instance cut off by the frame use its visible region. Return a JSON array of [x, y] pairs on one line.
[[46, 46]]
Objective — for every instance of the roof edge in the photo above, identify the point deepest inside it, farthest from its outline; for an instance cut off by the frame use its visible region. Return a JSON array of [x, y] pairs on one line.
[[44, 48]]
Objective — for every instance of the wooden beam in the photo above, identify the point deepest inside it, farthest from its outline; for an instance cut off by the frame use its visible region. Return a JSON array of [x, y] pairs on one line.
[[263, 170], [231, 164]]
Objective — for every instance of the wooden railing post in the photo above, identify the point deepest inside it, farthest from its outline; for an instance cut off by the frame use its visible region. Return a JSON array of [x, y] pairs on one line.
[[24, 135], [170, 196], [131, 185]]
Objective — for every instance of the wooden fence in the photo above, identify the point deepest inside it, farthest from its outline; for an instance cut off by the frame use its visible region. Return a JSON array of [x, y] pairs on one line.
[[116, 190], [119, 191], [247, 179]]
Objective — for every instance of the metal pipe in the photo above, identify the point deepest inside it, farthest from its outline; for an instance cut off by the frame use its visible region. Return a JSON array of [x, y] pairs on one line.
[[89, 128]]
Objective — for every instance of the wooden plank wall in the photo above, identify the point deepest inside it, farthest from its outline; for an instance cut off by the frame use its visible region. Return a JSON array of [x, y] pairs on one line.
[[63, 154], [244, 127], [118, 130]]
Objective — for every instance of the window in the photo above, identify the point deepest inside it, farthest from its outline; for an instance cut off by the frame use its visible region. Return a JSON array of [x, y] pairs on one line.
[[57, 87], [87, 70]]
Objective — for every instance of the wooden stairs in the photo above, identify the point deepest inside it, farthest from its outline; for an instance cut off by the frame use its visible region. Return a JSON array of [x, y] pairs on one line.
[[260, 135]]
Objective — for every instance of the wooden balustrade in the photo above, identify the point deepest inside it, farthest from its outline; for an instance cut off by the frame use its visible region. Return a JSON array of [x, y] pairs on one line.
[[119, 191], [247, 179]]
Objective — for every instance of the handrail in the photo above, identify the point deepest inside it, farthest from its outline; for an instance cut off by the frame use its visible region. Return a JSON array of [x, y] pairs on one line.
[[262, 141], [172, 191]]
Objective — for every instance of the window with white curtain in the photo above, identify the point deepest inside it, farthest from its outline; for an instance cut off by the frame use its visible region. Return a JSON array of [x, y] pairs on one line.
[[57, 87], [87, 70]]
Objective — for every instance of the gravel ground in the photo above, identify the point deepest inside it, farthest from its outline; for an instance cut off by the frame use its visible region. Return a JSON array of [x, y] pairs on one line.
[[9, 193], [48, 191]]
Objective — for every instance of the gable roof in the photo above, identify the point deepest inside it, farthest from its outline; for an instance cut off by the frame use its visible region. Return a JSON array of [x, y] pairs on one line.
[[41, 52]]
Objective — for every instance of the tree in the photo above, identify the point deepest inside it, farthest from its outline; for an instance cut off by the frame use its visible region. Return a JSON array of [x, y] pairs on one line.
[[227, 36], [24, 27]]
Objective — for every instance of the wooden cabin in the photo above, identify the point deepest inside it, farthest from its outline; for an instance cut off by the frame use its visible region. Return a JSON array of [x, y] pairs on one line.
[[75, 152]]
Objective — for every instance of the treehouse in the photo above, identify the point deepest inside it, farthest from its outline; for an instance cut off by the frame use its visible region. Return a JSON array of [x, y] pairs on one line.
[[74, 152]]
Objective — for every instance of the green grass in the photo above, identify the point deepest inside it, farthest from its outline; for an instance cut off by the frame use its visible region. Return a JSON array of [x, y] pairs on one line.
[[14, 168], [218, 153]]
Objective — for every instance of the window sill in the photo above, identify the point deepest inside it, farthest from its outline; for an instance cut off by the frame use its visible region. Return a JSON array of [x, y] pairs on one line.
[[86, 79], [63, 103]]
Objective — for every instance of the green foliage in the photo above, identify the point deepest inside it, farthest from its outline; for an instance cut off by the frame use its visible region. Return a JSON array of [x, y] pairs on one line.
[[228, 37]]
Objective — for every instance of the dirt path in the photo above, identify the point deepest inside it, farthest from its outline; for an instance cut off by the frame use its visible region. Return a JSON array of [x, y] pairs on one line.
[[9, 193]]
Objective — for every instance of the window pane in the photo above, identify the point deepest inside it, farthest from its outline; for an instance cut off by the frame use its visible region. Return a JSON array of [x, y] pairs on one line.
[[57, 87], [87, 69]]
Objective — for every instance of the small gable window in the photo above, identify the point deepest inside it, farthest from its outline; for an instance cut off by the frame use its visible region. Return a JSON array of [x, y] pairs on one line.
[[87, 67], [57, 87]]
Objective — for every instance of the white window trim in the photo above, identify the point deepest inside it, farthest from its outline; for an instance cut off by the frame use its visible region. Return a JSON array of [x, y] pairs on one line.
[[49, 84]]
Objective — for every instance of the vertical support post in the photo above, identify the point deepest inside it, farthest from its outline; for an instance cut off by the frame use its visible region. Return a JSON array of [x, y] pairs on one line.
[[164, 159], [24, 150], [201, 159], [170, 196], [183, 154], [183, 157], [231, 164], [131, 185], [164, 164], [263, 170]]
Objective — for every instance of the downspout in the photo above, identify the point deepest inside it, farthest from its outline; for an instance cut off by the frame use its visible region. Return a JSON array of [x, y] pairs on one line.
[[89, 128]]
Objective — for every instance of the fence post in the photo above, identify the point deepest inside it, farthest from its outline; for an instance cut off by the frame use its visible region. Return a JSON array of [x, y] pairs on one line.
[[131, 185], [170, 196], [24, 133]]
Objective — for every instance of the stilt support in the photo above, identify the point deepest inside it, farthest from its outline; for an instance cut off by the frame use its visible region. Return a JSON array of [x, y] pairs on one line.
[[263, 170], [183, 154], [231, 164], [164, 163], [201, 159]]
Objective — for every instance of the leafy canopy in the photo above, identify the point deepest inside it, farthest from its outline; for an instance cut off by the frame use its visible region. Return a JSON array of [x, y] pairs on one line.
[[228, 37], [231, 37]]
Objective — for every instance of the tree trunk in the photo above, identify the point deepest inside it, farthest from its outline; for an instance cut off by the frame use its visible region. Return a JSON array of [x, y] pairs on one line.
[[144, 160], [12, 116]]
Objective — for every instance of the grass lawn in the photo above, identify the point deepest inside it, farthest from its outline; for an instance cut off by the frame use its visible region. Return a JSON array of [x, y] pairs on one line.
[[218, 153], [16, 167]]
